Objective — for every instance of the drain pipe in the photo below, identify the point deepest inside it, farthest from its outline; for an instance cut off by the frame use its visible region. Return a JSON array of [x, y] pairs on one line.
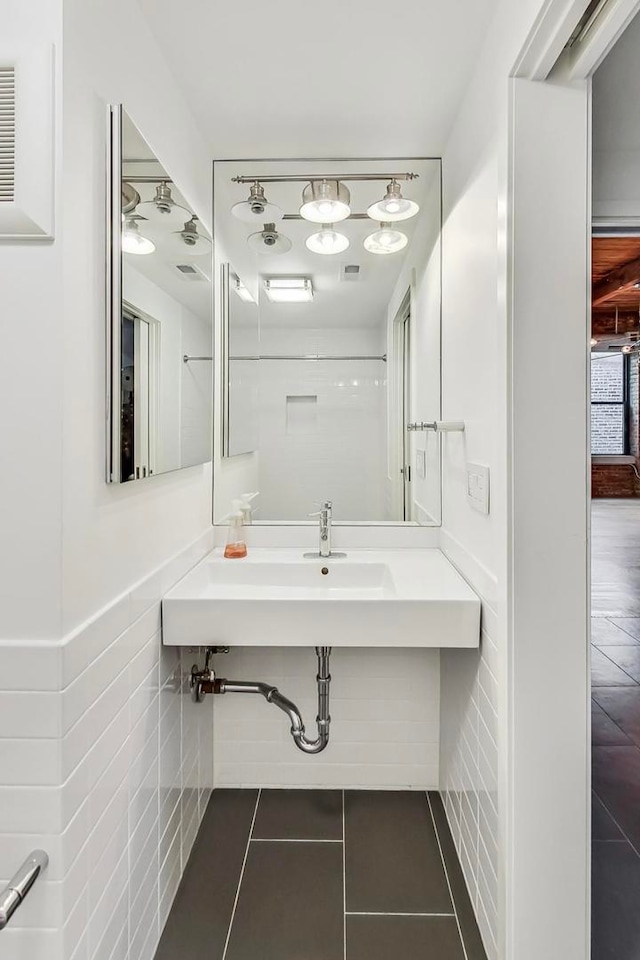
[[273, 695]]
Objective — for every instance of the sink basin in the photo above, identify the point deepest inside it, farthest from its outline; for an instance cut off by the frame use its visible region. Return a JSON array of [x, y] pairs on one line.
[[273, 597]]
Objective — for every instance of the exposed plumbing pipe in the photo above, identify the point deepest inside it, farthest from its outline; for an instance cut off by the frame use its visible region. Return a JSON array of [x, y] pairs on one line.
[[273, 695]]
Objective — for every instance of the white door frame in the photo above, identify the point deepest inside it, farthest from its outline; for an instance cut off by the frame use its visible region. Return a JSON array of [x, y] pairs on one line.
[[547, 821]]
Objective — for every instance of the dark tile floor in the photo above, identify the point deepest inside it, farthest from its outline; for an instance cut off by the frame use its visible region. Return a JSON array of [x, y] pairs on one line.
[[615, 731], [322, 875]]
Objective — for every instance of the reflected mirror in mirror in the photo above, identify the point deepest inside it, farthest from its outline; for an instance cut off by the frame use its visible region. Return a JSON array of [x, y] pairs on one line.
[[340, 265], [160, 316]]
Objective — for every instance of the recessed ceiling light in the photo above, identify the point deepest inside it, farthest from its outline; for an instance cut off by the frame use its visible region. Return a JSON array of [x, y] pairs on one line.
[[325, 201], [257, 208], [393, 206], [327, 241], [385, 240], [289, 289], [132, 239]]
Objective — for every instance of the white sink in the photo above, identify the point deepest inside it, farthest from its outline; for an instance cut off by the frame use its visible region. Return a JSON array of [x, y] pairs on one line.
[[370, 598]]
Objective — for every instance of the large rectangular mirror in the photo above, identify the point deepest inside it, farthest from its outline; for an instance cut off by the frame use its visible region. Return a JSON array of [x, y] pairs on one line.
[[329, 325], [160, 316]]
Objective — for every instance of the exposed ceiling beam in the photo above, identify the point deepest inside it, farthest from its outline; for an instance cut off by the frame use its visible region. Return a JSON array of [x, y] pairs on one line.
[[622, 278]]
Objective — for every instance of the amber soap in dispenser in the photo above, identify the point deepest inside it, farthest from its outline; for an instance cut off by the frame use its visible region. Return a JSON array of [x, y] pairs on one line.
[[236, 547]]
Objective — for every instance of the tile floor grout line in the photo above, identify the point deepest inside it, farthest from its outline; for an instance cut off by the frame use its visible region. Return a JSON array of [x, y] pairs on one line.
[[626, 838], [244, 863], [611, 660], [344, 881], [289, 840], [371, 913], [446, 876]]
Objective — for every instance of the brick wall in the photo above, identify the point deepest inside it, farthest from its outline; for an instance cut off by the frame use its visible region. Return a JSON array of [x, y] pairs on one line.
[[611, 480]]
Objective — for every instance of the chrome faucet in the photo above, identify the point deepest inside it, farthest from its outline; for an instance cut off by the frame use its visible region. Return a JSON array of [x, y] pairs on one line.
[[325, 551]]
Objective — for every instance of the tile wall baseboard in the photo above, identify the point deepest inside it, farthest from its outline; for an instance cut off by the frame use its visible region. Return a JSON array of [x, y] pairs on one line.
[[106, 763]]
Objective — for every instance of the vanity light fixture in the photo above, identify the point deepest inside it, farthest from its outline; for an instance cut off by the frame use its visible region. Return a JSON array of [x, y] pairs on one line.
[[257, 208], [325, 201], [188, 242], [132, 239], [241, 291], [269, 241], [163, 210], [289, 289], [385, 240], [327, 241], [393, 206]]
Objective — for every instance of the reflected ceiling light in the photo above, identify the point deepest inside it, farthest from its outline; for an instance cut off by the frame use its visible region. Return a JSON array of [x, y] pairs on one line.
[[393, 206], [594, 342], [289, 289], [132, 239], [188, 242], [385, 240], [242, 291], [163, 209], [269, 241], [327, 241], [627, 348], [257, 208], [325, 201]]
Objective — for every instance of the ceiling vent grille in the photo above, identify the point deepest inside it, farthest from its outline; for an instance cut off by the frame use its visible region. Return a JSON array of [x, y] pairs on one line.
[[7, 133], [350, 272], [189, 271]]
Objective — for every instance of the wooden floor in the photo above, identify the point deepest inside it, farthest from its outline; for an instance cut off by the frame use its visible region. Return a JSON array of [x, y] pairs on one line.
[[615, 678]]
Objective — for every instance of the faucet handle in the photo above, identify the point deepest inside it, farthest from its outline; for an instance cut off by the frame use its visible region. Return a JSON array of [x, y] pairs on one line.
[[325, 507]]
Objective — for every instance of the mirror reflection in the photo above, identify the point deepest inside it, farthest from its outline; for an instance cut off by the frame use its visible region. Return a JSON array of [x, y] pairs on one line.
[[162, 328], [339, 264]]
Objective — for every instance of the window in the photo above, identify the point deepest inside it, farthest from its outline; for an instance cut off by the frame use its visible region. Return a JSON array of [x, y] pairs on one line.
[[609, 404]]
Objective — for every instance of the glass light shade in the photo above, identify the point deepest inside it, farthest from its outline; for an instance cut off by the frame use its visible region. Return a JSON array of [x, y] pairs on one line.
[[289, 289], [269, 242], [327, 241], [325, 201], [257, 208], [386, 240], [133, 241], [163, 210], [188, 242], [393, 206]]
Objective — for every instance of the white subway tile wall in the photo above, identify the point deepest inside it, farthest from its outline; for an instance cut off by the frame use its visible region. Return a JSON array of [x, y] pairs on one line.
[[107, 764], [385, 708], [469, 766]]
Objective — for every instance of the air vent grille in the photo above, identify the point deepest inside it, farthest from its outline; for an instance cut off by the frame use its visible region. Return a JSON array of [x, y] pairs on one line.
[[350, 272], [7, 133]]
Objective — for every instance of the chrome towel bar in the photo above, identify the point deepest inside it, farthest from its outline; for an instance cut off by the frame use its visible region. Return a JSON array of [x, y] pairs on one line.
[[19, 886], [438, 426]]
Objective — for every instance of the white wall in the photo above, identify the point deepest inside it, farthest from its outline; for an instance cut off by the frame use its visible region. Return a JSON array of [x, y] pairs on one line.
[[101, 761], [616, 129]]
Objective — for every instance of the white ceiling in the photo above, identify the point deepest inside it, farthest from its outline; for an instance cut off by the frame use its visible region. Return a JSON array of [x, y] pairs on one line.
[[301, 79]]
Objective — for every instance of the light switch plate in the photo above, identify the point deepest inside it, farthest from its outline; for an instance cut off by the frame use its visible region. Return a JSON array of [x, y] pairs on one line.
[[421, 464], [478, 480]]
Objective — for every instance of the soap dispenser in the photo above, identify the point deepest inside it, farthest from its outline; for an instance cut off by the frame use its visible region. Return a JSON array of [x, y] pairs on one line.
[[245, 507], [236, 546]]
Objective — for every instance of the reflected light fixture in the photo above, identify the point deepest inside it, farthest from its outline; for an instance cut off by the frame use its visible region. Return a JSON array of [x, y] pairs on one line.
[[325, 201], [241, 290], [393, 206], [188, 242], [132, 239], [594, 342], [269, 241], [327, 241], [289, 289], [257, 208], [163, 209], [627, 348], [385, 240]]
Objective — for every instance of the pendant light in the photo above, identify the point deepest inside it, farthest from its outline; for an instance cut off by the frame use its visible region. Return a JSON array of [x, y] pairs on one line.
[[132, 240], [393, 206], [327, 241], [269, 242], [257, 208], [163, 210], [325, 201], [188, 242], [385, 240]]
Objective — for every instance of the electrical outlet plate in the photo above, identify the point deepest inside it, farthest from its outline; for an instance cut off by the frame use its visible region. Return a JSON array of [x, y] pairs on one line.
[[478, 481]]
